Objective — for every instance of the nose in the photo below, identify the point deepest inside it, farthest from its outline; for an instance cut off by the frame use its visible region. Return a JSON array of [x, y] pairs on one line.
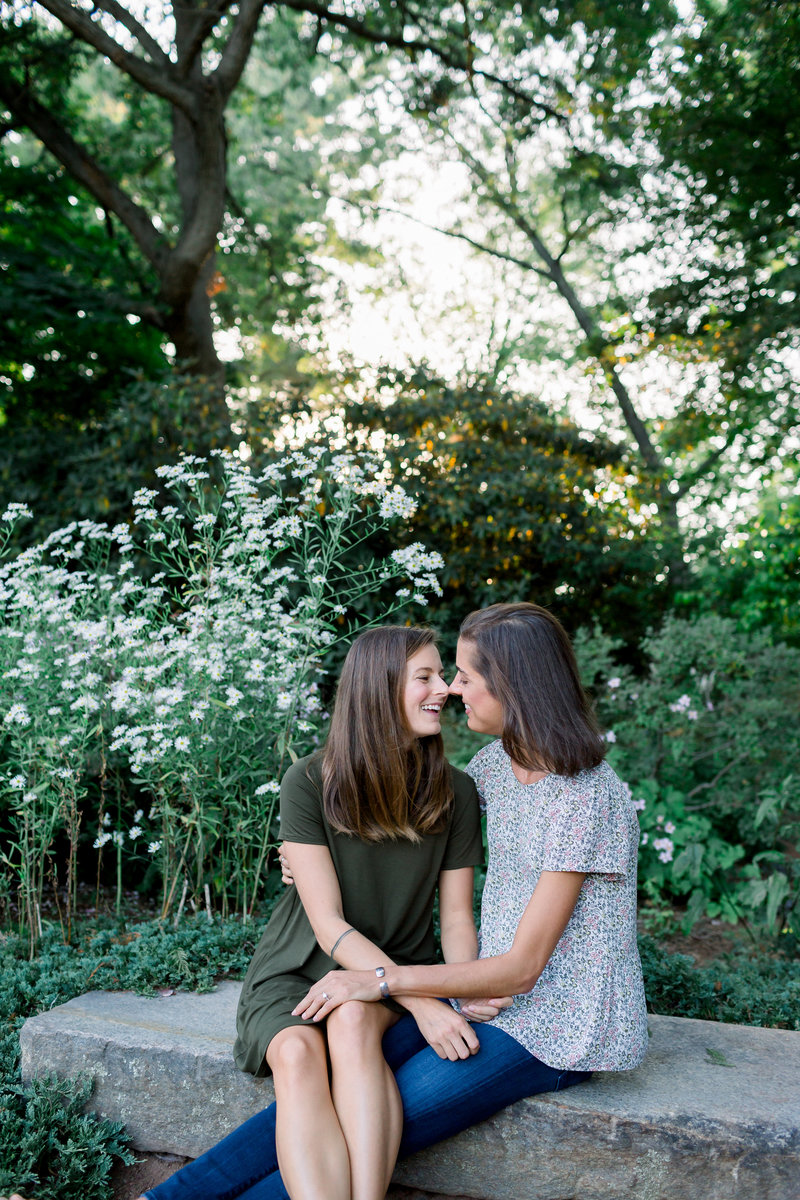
[[453, 689]]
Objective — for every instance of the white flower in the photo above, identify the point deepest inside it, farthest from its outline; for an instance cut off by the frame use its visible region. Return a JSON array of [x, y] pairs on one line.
[[134, 833], [30, 797], [101, 840], [153, 847], [639, 805], [611, 736], [692, 714], [283, 700], [233, 696], [669, 827], [182, 743], [15, 511], [17, 715], [615, 682], [17, 782], [264, 788], [665, 848], [118, 837]]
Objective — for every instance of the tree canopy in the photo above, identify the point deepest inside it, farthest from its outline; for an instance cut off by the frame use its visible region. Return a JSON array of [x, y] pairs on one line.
[[169, 173]]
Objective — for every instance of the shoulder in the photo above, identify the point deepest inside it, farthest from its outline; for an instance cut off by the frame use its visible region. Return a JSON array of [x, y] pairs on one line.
[[304, 775], [485, 768], [463, 785], [488, 759], [595, 788]]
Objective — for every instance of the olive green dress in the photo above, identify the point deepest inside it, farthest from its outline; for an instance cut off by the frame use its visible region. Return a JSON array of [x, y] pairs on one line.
[[388, 890]]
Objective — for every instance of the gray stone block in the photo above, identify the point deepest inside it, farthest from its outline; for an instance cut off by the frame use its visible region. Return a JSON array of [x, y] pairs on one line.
[[712, 1114], [163, 1066]]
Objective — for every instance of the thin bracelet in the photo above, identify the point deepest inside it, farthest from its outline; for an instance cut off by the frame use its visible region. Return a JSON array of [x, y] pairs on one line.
[[339, 939]]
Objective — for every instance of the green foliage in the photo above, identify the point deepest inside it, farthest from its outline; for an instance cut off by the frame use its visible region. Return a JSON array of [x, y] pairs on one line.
[[520, 503], [87, 468], [707, 738], [64, 350], [755, 577], [48, 1145], [742, 989]]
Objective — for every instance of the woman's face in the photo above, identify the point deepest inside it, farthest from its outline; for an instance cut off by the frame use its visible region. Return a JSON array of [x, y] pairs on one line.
[[425, 692], [484, 711]]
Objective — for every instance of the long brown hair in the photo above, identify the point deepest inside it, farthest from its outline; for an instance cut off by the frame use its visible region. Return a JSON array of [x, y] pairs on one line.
[[379, 780], [528, 663]]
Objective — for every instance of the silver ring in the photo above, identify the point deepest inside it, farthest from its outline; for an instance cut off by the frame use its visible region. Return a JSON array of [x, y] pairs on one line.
[[325, 996]]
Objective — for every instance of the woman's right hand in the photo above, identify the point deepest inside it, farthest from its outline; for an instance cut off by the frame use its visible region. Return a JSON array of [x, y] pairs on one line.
[[443, 1028], [286, 876]]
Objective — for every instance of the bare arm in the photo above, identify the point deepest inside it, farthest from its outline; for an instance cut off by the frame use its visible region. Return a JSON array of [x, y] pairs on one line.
[[318, 887], [456, 920], [512, 973]]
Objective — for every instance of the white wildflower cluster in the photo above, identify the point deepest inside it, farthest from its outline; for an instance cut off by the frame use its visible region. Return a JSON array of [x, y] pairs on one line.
[[665, 848], [683, 705], [195, 680], [15, 512]]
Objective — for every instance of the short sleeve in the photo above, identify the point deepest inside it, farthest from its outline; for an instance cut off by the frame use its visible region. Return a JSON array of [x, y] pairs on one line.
[[464, 843], [588, 827], [301, 806], [481, 769]]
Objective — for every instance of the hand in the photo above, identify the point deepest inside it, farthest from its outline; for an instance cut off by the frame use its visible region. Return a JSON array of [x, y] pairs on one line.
[[443, 1028], [286, 876], [335, 988], [485, 1010]]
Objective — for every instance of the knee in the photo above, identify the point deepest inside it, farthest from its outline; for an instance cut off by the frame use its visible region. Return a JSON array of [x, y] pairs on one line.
[[293, 1053], [352, 1027]]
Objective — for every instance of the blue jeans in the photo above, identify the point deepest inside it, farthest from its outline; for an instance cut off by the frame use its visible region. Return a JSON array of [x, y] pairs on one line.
[[440, 1098]]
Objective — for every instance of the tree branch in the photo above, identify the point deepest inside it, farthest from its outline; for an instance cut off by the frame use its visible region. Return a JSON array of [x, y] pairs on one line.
[[586, 321], [524, 263], [85, 170], [397, 41], [135, 28], [235, 55], [702, 787], [156, 78]]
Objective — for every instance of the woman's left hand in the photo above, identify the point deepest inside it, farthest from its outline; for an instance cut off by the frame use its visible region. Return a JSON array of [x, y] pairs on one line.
[[335, 988], [484, 1010]]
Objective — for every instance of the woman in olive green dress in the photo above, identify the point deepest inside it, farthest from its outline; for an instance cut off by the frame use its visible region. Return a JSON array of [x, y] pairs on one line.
[[370, 827]]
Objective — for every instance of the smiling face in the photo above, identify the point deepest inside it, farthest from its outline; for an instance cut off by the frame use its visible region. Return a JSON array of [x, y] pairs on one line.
[[484, 711], [425, 692]]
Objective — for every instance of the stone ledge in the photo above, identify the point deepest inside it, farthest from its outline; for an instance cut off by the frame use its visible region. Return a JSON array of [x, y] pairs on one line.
[[712, 1114]]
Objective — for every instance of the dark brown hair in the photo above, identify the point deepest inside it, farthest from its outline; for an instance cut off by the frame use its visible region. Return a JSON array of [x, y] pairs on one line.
[[527, 661], [378, 779]]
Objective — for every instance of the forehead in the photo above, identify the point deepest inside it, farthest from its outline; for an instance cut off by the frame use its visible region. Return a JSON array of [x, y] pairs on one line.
[[464, 655], [426, 659]]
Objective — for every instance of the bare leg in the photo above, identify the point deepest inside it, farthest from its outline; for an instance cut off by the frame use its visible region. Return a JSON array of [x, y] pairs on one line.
[[365, 1095], [312, 1153]]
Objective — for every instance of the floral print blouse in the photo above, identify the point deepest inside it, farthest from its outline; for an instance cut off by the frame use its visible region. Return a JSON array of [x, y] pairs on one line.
[[587, 1009]]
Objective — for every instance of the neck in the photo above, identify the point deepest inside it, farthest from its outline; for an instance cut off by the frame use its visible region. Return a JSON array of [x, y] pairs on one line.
[[525, 774]]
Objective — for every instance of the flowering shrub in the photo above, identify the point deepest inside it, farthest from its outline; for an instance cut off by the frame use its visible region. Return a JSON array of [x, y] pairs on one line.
[[184, 688], [702, 737]]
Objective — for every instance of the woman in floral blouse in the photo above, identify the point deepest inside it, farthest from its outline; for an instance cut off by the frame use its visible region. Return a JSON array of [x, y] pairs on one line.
[[558, 920]]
